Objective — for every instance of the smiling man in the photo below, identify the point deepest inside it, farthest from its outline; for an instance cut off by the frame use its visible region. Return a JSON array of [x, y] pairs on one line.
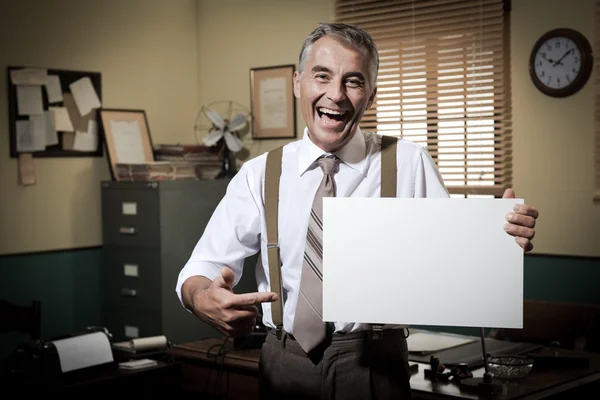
[[303, 357]]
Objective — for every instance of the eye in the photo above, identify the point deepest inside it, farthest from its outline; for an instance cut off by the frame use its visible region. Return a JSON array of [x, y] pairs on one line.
[[354, 83], [322, 77]]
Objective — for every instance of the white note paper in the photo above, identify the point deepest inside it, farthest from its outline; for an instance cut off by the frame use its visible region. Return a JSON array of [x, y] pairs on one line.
[[53, 89], [83, 351], [87, 141], [85, 95], [445, 262], [62, 120], [29, 100], [28, 76], [29, 137]]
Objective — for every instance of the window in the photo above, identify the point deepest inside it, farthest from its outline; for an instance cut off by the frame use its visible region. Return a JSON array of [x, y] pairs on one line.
[[444, 83]]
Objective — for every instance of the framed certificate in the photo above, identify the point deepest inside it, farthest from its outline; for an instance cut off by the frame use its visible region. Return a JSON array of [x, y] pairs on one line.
[[272, 102]]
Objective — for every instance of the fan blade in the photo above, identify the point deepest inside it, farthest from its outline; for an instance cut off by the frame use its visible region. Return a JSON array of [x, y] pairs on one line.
[[237, 123], [233, 143], [214, 117], [213, 137]]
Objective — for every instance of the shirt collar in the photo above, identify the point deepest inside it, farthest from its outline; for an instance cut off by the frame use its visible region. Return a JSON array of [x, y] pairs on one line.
[[352, 154]]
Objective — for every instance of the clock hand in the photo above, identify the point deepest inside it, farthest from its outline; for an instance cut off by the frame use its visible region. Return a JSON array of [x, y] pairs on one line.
[[560, 59]]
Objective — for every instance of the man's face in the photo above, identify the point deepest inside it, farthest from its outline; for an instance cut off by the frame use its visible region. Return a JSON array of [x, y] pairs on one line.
[[334, 92]]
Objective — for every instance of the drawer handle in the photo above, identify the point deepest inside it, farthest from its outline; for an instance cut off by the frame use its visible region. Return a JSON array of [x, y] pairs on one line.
[[129, 292], [127, 230]]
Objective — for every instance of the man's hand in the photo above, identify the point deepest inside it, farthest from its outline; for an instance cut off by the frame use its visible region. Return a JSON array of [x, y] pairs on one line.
[[521, 222], [232, 314]]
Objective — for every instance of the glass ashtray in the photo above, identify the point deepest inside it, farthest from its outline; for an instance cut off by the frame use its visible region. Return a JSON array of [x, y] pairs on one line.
[[509, 366]]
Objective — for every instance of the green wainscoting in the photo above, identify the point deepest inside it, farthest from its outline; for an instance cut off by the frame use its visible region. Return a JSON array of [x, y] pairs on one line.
[[68, 285], [66, 282]]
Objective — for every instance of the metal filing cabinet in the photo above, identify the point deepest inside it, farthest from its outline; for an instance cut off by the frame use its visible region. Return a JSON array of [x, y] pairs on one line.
[[149, 232]]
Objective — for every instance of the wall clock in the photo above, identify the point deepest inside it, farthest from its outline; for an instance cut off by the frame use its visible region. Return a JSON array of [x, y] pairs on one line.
[[561, 62]]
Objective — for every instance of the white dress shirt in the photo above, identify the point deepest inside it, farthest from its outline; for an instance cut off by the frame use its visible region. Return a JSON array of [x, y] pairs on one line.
[[237, 229]]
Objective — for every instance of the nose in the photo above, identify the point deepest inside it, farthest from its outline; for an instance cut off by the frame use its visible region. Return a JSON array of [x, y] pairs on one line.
[[336, 92]]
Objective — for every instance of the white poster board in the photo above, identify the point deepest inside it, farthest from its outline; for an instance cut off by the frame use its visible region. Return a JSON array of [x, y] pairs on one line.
[[444, 262]]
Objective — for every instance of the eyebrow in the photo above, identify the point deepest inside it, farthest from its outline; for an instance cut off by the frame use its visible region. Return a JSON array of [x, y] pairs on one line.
[[321, 68]]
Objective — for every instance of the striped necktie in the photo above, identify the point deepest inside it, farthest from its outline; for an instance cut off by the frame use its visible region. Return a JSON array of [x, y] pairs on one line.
[[309, 328]]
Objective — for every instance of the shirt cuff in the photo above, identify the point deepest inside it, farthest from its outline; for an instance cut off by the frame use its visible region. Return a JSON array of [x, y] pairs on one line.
[[196, 268]]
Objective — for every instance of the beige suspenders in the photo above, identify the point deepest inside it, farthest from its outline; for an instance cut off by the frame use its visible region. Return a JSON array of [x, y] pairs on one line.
[[272, 175]]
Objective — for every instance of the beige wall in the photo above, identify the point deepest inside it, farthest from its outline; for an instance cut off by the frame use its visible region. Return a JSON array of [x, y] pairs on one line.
[[146, 52], [553, 138], [237, 35], [170, 58]]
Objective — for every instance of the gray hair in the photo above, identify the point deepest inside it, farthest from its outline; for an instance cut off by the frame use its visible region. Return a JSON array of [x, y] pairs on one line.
[[347, 35]]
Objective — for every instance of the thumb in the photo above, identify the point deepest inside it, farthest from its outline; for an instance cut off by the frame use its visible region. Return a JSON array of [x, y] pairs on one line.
[[227, 277], [508, 194]]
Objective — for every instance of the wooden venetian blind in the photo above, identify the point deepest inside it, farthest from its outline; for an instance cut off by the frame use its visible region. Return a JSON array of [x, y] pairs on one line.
[[443, 82], [596, 50]]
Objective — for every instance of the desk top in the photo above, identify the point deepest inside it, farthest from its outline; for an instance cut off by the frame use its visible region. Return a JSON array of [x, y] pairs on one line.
[[546, 378], [217, 350]]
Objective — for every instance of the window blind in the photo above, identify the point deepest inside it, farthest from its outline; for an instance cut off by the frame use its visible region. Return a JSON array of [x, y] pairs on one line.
[[444, 83], [596, 50]]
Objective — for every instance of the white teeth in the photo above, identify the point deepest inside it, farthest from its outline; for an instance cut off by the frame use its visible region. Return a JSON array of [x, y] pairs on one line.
[[333, 112]]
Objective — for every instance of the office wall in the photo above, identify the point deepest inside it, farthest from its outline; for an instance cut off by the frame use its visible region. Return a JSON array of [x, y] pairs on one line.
[[553, 138], [146, 51], [237, 35]]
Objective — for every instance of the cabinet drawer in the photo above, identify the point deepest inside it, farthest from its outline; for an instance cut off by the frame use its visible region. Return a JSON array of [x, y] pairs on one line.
[[128, 323], [130, 217], [132, 277]]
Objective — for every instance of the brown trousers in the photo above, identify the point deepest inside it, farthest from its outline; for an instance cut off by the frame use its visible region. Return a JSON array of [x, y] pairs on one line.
[[350, 366]]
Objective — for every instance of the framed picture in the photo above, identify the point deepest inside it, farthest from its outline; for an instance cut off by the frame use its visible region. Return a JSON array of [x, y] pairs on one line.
[[127, 137], [272, 102]]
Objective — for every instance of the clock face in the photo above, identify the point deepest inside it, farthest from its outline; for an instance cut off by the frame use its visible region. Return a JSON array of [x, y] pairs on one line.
[[560, 62]]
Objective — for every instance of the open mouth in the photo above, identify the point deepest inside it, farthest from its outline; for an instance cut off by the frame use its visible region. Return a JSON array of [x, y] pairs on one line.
[[328, 115]]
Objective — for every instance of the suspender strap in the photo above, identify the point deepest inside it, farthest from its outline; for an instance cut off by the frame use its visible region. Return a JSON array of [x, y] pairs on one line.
[[388, 189], [272, 175], [388, 166]]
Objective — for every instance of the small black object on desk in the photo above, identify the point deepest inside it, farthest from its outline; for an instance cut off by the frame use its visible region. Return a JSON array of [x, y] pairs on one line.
[[487, 384]]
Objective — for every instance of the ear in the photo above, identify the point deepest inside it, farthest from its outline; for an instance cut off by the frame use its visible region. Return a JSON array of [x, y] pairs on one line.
[[297, 84], [372, 98]]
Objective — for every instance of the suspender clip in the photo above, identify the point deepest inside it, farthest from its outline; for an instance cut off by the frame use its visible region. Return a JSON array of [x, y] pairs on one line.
[[272, 245], [377, 332], [279, 331]]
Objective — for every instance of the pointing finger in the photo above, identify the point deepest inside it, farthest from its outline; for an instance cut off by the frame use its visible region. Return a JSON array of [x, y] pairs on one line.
[[256, 298]]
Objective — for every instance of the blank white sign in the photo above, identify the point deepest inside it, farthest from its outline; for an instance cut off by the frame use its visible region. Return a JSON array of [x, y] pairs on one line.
[[444, 262]]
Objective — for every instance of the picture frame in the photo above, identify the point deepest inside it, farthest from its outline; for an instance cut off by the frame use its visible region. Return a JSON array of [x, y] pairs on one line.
[[127, 137], [273, 104]]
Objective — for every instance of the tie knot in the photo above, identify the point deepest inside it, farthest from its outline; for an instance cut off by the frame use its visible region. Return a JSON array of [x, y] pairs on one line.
[[328, 164]]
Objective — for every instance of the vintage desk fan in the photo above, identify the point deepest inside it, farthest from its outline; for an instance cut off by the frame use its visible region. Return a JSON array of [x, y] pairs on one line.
[[221, 124]]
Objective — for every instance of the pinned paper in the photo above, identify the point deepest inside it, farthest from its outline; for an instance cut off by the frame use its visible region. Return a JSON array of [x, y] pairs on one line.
[[50, 128], [80, 123], [62, 120], [87, 141], [29, 100], [68, 139], [53, 89], [31, 136], [28, 76], [85, 95], [26, 169]]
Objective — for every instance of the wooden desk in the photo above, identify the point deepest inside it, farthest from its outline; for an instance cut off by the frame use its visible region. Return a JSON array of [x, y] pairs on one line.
[[211, 368], [234, 375]]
